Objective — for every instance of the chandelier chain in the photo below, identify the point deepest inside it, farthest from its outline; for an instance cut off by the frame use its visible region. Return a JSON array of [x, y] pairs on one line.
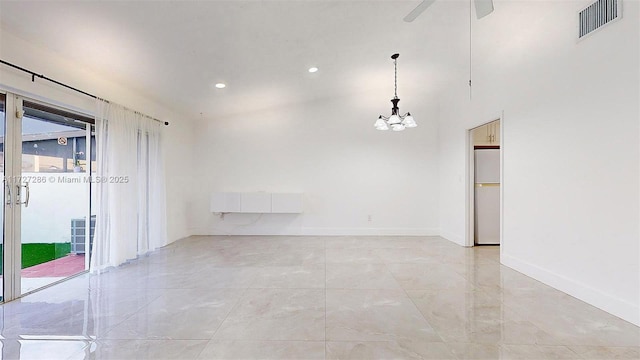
[[395, 74]]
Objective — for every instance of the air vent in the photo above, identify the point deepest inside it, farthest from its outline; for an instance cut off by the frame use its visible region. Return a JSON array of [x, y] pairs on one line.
[[597, 15]]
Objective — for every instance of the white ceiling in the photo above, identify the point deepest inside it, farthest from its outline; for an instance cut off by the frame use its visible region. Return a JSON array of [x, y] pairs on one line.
[[175, 51]]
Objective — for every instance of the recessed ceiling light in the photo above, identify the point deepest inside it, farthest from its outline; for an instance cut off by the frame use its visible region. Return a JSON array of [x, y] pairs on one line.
[[221, 85], [313, 69]]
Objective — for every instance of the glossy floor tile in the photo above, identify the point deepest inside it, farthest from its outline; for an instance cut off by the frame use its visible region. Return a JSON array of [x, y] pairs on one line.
[[375, 315], [285, 297], [241, 350], [276, 314]]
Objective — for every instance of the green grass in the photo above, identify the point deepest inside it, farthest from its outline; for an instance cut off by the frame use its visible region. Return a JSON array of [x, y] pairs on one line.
[[37, 253]]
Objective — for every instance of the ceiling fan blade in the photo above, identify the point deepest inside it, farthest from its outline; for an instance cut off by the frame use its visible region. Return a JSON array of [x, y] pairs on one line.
[[483, 8], [418, 10]]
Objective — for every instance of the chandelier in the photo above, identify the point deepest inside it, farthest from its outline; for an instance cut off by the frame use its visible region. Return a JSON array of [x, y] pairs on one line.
[[396, 121]]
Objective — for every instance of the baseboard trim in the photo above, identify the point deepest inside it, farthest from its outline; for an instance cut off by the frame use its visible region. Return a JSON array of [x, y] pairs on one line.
[[615, 306], [370, 231], [454, 238], [322, 231]]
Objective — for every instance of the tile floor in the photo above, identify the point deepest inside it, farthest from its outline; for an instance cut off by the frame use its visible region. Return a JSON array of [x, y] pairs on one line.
[[311, 298]]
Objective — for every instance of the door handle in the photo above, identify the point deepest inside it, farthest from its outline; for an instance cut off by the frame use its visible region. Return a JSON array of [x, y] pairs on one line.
[[9, 201], [19, 195], [26, 201]]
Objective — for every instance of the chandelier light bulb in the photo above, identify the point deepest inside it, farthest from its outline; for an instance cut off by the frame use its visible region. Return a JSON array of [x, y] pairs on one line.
[[397, 127], [394, 119], [409, 122], [381, 124]]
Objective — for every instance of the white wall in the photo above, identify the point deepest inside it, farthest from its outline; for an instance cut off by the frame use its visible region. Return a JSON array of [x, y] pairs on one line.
[[177, 149], [330, 151], [571, 147]]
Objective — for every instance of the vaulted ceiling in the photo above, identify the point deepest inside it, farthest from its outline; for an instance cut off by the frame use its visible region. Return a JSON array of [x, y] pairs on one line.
[[175, 51]]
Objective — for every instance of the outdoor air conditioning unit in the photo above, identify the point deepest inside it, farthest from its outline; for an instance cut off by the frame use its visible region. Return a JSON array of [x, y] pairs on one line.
[[78, 231]]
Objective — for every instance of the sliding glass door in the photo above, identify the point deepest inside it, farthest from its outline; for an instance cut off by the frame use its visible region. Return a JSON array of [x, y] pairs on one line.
[[47, 222]]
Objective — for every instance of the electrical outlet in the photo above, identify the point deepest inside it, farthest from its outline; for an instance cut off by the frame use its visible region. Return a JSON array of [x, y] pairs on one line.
[[369, 218]]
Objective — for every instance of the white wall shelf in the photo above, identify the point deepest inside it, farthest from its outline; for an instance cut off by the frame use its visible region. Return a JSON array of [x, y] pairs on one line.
[[256, 202]]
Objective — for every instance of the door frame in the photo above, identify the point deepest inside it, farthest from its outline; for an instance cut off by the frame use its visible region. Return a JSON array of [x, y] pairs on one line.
[[11, 253], [12, 225], [469, 240]]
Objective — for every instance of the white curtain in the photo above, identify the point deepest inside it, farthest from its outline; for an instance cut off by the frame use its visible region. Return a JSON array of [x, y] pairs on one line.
[[130, 210]]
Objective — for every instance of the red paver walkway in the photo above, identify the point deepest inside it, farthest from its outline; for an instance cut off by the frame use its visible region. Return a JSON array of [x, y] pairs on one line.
[[62, 267]]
